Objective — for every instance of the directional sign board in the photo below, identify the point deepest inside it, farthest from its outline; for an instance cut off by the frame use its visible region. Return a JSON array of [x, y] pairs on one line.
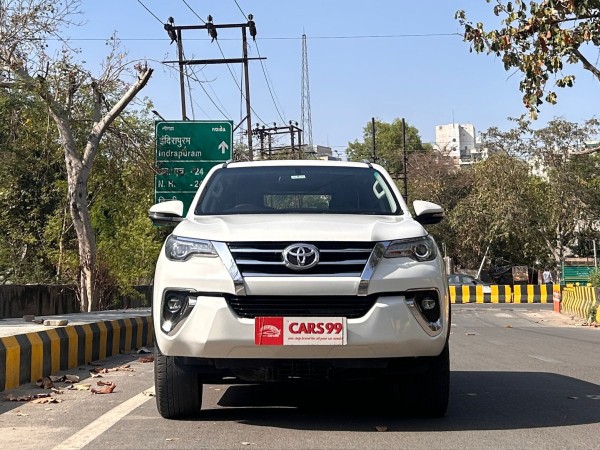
[[185, 152]]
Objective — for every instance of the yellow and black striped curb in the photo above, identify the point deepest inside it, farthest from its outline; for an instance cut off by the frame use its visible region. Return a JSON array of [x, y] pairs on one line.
[[25, 358], [527, 293], [580, 301]]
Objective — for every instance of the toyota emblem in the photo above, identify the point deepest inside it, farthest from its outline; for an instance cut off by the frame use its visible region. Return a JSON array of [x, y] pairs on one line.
[[300, 256]]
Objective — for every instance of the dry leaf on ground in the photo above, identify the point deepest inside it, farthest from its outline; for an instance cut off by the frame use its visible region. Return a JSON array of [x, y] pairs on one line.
[[108, 389], [26, 398], [46, 400], [146, 359], [45, 383], [80, 387]]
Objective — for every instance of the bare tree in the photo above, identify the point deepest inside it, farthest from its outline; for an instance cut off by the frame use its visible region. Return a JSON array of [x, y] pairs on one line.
[[73, 97]]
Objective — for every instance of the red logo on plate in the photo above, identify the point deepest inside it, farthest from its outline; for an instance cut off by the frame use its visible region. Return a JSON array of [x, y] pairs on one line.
[[268, 331]]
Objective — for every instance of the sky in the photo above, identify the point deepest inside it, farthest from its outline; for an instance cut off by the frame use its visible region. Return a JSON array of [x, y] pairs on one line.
[[386, 59]]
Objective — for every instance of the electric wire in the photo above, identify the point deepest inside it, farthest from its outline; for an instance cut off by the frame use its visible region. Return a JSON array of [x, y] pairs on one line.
[[268, 84], [187, 77], [238, 5], [227, 64], [155, 16], [193, 12], [200, 82], [283, 38], [264, 70]]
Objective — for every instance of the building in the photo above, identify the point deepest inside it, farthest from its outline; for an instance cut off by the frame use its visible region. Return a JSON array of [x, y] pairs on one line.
[[321, 152], [459, 141]]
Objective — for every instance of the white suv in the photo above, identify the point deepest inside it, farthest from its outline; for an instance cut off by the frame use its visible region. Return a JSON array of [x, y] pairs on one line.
[[299, 270]]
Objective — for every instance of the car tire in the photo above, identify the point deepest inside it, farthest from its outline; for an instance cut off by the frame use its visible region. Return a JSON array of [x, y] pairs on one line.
[[426, 394], [178, 393], [436, 385]]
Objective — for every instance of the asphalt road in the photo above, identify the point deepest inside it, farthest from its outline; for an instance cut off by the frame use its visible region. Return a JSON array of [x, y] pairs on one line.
[[522, 377]]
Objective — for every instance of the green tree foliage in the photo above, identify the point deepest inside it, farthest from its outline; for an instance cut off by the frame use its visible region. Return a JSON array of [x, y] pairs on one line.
[[500, 211], [82, 106], [535, 199], [31, 173], [388, 143], [538, 38], [433, 177]]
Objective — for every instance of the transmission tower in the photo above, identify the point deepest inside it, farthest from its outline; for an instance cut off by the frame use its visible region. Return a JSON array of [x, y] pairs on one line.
[[305, 101]]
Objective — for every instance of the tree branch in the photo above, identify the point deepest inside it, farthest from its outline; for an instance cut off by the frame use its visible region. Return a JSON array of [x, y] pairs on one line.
[[587, 151], [100, 127], [586, 64]]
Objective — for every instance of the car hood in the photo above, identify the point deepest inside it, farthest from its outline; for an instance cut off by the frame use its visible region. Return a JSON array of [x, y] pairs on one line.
[[300, 227]]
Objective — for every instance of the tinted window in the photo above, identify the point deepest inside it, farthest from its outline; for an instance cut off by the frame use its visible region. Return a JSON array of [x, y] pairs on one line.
[[297, 189]]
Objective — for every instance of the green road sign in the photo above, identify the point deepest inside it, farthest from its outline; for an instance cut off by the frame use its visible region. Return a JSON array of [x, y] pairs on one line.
[[185, 152]]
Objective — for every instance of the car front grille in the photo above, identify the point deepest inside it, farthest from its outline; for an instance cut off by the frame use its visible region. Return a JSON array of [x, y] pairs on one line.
[[341, 259], [351, 307]]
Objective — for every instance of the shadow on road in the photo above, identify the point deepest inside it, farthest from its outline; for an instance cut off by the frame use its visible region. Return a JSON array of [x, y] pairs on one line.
[[478, 401]]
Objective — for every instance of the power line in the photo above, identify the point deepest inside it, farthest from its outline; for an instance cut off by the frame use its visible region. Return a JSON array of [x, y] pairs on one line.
[[263, 69], [281, 38], [195, 78], [268, 84], [227, 64], [140, 2], [238, 5], [193, 12]]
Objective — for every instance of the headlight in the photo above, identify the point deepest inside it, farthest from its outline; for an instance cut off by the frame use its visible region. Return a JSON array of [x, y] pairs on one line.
[[419, 249], [181, 249]]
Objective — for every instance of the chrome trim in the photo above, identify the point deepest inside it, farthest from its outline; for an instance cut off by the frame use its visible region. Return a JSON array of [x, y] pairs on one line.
[[372, 263], [238, 280], [431, 328], [182, 317]]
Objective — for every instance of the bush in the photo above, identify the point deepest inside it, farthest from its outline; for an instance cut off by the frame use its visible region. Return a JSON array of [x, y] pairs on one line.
[[594, 279]]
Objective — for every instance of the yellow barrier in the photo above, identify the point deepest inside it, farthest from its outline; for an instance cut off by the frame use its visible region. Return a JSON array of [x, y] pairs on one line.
[[579, 301], [527, 293], [25, 358]]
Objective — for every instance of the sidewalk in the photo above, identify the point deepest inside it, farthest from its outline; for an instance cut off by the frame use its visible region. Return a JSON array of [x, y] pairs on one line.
[[29, 351]]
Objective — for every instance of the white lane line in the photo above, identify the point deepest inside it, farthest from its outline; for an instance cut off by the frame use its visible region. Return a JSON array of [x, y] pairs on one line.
[[104, 422], [504, 315], [546, 359]]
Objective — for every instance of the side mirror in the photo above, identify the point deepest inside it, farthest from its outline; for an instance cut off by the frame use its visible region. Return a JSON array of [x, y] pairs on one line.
[[427, 213], [166, 213]]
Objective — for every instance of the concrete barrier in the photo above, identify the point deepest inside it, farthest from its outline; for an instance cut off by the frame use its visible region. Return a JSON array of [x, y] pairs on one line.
[[532, 293], [475, 294], [527, 293], [27, 357], [579, 301]]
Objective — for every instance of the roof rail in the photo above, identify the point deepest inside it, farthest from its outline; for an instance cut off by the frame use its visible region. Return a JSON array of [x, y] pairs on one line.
[[368, 163], [226, 163]]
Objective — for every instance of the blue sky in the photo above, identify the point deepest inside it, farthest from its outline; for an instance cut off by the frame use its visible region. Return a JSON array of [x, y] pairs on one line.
[[386, 59]]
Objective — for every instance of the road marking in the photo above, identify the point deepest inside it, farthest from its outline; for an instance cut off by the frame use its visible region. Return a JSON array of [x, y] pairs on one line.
[[504, 315], [104, 422], [546, 359]]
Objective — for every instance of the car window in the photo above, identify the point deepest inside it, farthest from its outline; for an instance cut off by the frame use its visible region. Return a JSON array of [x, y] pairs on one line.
[[297, 189], [454, 279]]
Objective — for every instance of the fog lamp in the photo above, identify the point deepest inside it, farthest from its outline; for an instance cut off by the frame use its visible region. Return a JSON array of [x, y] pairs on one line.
[[428, 303], [175, 303]]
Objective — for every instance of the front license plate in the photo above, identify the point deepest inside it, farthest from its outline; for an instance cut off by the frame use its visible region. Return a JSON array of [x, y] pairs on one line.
[[300, 331]]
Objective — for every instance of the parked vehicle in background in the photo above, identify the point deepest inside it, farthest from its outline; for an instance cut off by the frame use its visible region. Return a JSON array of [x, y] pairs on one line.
[[300, 271], [459, 279]]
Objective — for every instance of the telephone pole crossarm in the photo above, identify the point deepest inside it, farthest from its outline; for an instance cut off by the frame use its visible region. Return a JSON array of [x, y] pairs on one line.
[[189, 62]]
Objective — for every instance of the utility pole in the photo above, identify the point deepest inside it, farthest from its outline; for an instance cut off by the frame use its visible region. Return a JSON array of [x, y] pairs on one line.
[[175, 33], [292, 129], [373, 134], [405, 160]]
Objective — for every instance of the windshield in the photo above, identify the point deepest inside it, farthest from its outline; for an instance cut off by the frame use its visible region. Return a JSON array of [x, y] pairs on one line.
[[297, 189]]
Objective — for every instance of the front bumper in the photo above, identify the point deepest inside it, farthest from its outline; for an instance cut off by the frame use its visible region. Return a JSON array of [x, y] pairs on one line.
[[391, 328]]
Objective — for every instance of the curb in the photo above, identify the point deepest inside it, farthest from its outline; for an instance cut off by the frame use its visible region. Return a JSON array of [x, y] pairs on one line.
[[27, 357]]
